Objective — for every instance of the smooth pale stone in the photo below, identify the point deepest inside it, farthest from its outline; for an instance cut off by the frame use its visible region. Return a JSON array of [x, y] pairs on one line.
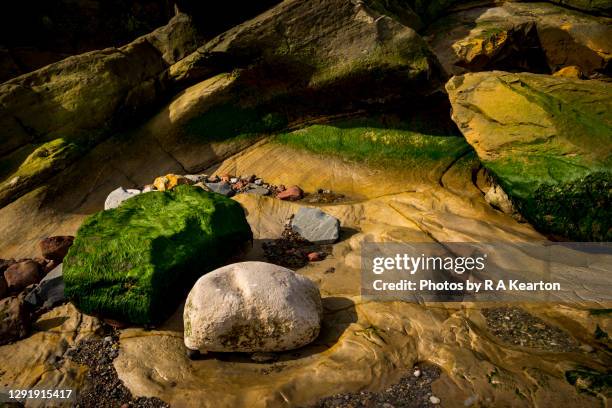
[[116, 197], [252, 307]]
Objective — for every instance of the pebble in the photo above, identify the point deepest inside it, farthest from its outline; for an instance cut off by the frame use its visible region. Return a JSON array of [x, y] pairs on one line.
[[314, 257], [257, 190], [417, 373], [292, 193], [119, 195], [233, 180], [258, 182], [434, 400], [221, 188]]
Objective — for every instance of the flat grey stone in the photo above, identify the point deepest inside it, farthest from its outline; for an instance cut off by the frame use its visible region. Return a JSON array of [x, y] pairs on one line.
[[50, 291], [221, 188], [196, 178], [316, 226], [116, 197], [258, 190]]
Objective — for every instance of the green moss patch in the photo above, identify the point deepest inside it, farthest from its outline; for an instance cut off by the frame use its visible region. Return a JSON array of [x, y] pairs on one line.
[[135, 263], [231, 121], [368, 141]]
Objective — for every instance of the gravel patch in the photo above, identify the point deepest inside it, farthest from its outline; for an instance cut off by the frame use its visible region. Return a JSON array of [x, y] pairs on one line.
[[515, 326], [412, 391], [104, 388], [291, 250]]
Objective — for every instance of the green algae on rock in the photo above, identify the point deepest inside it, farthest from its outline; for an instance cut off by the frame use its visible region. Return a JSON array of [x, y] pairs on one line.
[[548, 141], [136, 262]]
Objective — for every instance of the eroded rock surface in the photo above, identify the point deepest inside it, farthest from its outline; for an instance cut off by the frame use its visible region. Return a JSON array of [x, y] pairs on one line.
[[549, 144], [540, 38]]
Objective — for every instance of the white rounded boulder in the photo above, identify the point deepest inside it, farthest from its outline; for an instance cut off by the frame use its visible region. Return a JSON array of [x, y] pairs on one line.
[[252, 307]]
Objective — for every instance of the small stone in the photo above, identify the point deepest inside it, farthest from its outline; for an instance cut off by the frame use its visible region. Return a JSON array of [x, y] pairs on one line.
[[22, 274], [196, 178], [240, 184], [148, 188], [292, 193], [169, 181], [434, 400], [14, 320], [417, 373], [314, 257], [116, 197], [586, 348], [571, 71], [107, 339], [257, 190], [223, 188], [49, 292], [316, 226], [258, 182], [56, 248], [233, 180]]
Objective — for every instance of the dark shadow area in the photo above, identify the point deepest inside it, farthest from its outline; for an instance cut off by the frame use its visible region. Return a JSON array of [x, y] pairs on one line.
[[35, 33]]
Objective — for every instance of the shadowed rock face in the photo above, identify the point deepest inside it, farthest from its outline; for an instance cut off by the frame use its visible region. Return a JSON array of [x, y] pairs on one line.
[[549, 143], [540, 38], [326, 39], [36, 33]]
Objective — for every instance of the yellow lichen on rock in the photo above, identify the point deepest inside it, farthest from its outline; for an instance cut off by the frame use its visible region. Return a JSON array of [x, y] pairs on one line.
[[571, 71], [169, 181]]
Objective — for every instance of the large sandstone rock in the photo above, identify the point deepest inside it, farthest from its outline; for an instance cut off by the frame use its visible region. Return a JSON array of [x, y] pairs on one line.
[[534, 37], [592, 6], [548, 141], [252, 307], [314, 43], [53, 115], [135, 263]]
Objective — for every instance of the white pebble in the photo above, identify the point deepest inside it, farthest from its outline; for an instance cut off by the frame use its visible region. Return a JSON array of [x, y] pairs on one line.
[[434, 400], [417, 373]]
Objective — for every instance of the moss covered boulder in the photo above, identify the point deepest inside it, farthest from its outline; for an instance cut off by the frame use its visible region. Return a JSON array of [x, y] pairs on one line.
[[135, 263], [548, 141]]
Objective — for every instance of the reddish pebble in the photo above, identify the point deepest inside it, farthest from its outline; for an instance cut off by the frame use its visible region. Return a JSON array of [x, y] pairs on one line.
[[314, 257], [22, 274], [56, 248], [292, 193]]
